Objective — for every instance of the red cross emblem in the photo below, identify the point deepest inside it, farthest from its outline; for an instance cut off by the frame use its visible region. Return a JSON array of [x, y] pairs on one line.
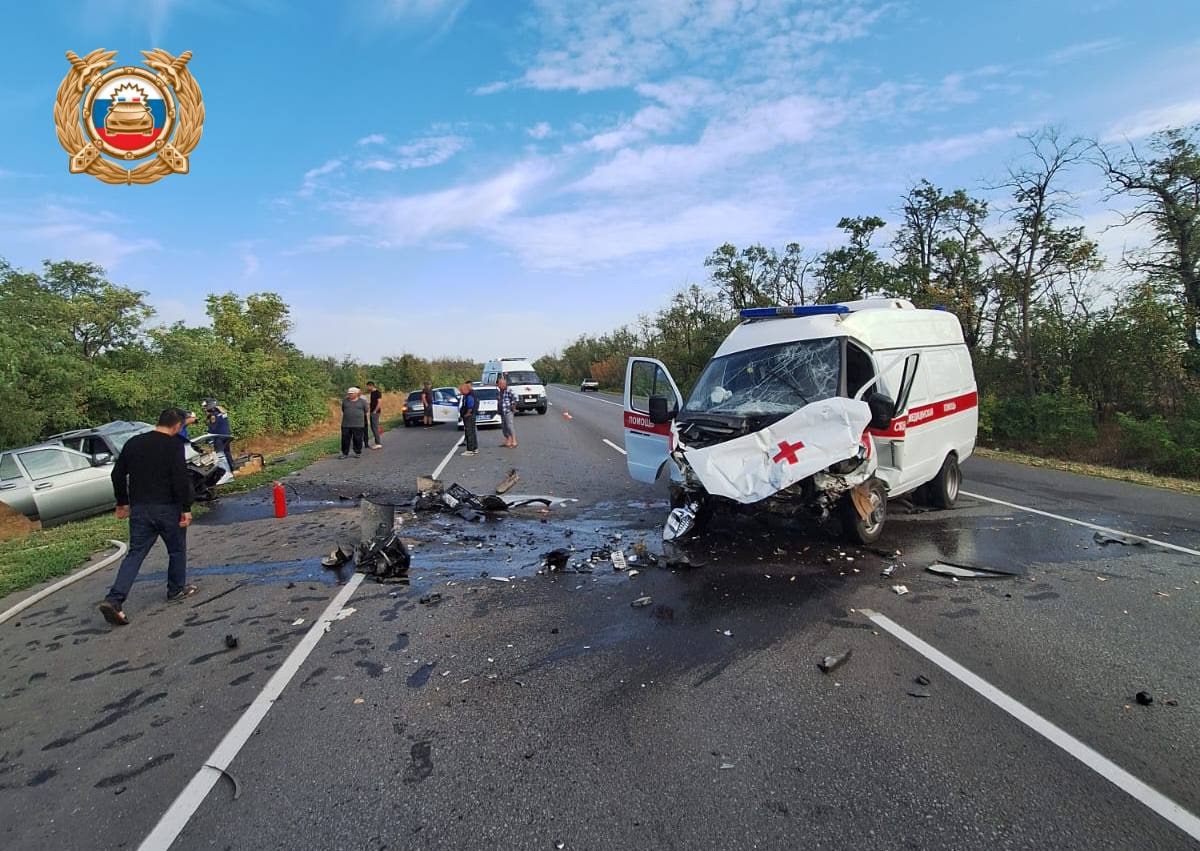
[[787, 452]]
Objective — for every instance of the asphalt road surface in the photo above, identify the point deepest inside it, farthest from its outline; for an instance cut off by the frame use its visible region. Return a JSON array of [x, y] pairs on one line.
[[546, 711]]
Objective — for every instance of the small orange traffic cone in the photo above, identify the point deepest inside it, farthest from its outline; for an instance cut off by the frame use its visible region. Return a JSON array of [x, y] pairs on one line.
[[567, 415]]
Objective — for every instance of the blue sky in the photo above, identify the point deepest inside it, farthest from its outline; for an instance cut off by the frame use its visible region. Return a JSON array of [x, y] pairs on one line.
[[486, 177]]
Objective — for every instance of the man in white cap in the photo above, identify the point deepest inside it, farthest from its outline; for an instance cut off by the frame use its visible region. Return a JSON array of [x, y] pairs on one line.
[[354, 422]]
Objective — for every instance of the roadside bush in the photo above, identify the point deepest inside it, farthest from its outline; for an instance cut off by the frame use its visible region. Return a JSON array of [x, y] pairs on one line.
[[1048, 422], [1160, 445]]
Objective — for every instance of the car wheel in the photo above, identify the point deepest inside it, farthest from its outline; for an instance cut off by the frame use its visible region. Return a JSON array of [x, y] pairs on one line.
[[943, 491], [541, 409], [868, 530]]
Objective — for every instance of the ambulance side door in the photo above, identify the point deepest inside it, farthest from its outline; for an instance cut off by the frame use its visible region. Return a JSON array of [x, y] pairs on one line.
[[647, 444]]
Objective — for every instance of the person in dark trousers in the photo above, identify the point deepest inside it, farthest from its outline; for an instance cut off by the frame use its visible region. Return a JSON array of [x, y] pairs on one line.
[[508, 408], [218, 423], [354, 422], [427, 404], [468, 407], [375, 405], [154, 492]]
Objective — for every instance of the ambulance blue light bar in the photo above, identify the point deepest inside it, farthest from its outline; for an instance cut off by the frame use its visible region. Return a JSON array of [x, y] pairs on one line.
[[794, 310]]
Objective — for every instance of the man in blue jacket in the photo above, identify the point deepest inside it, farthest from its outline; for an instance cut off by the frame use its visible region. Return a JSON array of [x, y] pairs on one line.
[[468, 407], [218, 423]]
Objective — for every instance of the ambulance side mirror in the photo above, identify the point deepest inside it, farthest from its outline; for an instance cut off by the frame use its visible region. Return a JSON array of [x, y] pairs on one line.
[[660, 411], [882, 407]]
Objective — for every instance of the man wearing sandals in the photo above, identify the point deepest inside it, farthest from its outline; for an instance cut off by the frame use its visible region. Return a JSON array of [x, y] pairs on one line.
[[154, 492], [508, 407]]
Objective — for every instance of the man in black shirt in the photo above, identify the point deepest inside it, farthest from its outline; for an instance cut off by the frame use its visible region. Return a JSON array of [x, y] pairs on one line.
[[154, 491], [375, 412]]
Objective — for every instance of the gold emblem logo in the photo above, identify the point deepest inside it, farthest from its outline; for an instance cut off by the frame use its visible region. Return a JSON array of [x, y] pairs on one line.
[[129, 114]]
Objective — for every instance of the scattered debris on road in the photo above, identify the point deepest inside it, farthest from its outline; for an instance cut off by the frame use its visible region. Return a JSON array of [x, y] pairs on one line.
[[642, 602], [430, 599], [829, 663], [556, 560], [1105, 538], [900, 590], [344, 613], [511, 479], [298, 622], [918, 694], [618, 560], [231, 641], [1144, 698], [965, 571], [921, 680], [237, 789]]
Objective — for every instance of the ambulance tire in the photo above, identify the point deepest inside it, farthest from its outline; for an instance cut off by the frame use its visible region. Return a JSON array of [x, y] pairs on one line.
[[942, 492], [866, 531]]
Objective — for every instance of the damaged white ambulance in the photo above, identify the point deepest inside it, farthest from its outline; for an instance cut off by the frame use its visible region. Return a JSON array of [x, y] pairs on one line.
[[821, 410]]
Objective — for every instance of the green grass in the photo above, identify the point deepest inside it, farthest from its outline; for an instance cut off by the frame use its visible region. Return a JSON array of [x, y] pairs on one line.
[[45, 554]]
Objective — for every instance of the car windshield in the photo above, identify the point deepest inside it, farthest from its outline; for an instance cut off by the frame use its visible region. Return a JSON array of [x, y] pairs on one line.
[[772, 380], [523, 378], [487, 394], [414, 397], [120, 438]]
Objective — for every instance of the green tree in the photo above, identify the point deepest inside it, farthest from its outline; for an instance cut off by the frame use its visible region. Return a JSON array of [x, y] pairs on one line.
[[1166, 185], [855, 270]]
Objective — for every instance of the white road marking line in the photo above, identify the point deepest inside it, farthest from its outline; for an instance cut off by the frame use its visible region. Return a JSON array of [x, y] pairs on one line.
[[437, 471], [1154, 541], [586, 396], [175, 819], [63, 583], [1106, 768], [614, 446]]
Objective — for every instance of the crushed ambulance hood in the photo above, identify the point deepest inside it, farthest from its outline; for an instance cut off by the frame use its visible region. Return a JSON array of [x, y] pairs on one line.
[[755, 466]]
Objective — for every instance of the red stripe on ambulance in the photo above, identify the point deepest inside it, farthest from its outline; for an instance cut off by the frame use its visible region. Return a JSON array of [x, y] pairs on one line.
[[928, 413]]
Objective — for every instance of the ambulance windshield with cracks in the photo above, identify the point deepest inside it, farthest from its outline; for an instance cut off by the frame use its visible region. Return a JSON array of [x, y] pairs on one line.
[[766, 384]]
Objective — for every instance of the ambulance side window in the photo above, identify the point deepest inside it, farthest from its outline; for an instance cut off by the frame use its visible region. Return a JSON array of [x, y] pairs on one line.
[[911, 363], [859, 369], [646, 380]]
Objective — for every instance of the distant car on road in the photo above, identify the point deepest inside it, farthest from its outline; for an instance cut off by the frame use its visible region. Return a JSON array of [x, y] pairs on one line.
[[589, 384], [445, 406]]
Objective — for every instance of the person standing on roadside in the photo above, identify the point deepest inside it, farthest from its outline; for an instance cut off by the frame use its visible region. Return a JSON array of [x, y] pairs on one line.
[[154, 492], [375, 406], [508, 408], [218, 424], [468, 407], [354, 422], [427, 404]]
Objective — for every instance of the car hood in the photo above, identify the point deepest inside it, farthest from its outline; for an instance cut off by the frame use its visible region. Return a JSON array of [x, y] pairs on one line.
[[757, 465]]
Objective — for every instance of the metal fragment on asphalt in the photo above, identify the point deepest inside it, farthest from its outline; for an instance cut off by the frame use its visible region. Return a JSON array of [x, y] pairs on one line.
[[829, 663], [641, 602], [900, 590], [297, 621]]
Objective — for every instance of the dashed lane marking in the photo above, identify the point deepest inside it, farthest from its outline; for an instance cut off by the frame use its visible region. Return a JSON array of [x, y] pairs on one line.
[[614, 446]]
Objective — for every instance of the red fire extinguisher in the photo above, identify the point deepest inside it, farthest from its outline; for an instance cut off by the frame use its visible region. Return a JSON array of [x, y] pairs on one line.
[[280, 501]]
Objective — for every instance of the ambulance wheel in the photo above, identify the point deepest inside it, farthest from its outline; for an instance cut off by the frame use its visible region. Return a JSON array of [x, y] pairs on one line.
[[866, 531], [942, 492]]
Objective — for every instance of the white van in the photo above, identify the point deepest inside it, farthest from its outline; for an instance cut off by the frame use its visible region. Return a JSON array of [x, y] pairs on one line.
[[819, 409], [522, 380]]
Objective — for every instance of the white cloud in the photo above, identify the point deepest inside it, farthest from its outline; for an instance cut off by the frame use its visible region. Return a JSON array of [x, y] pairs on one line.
[[598, 235], [377, 165], [321, 243], [250, 261], [75, 234], [540, 130], [1083, 50], [312, 176], [429, 151], [729, 141], [600, 44], [1143, 123], [413, 219], [373, 139]]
